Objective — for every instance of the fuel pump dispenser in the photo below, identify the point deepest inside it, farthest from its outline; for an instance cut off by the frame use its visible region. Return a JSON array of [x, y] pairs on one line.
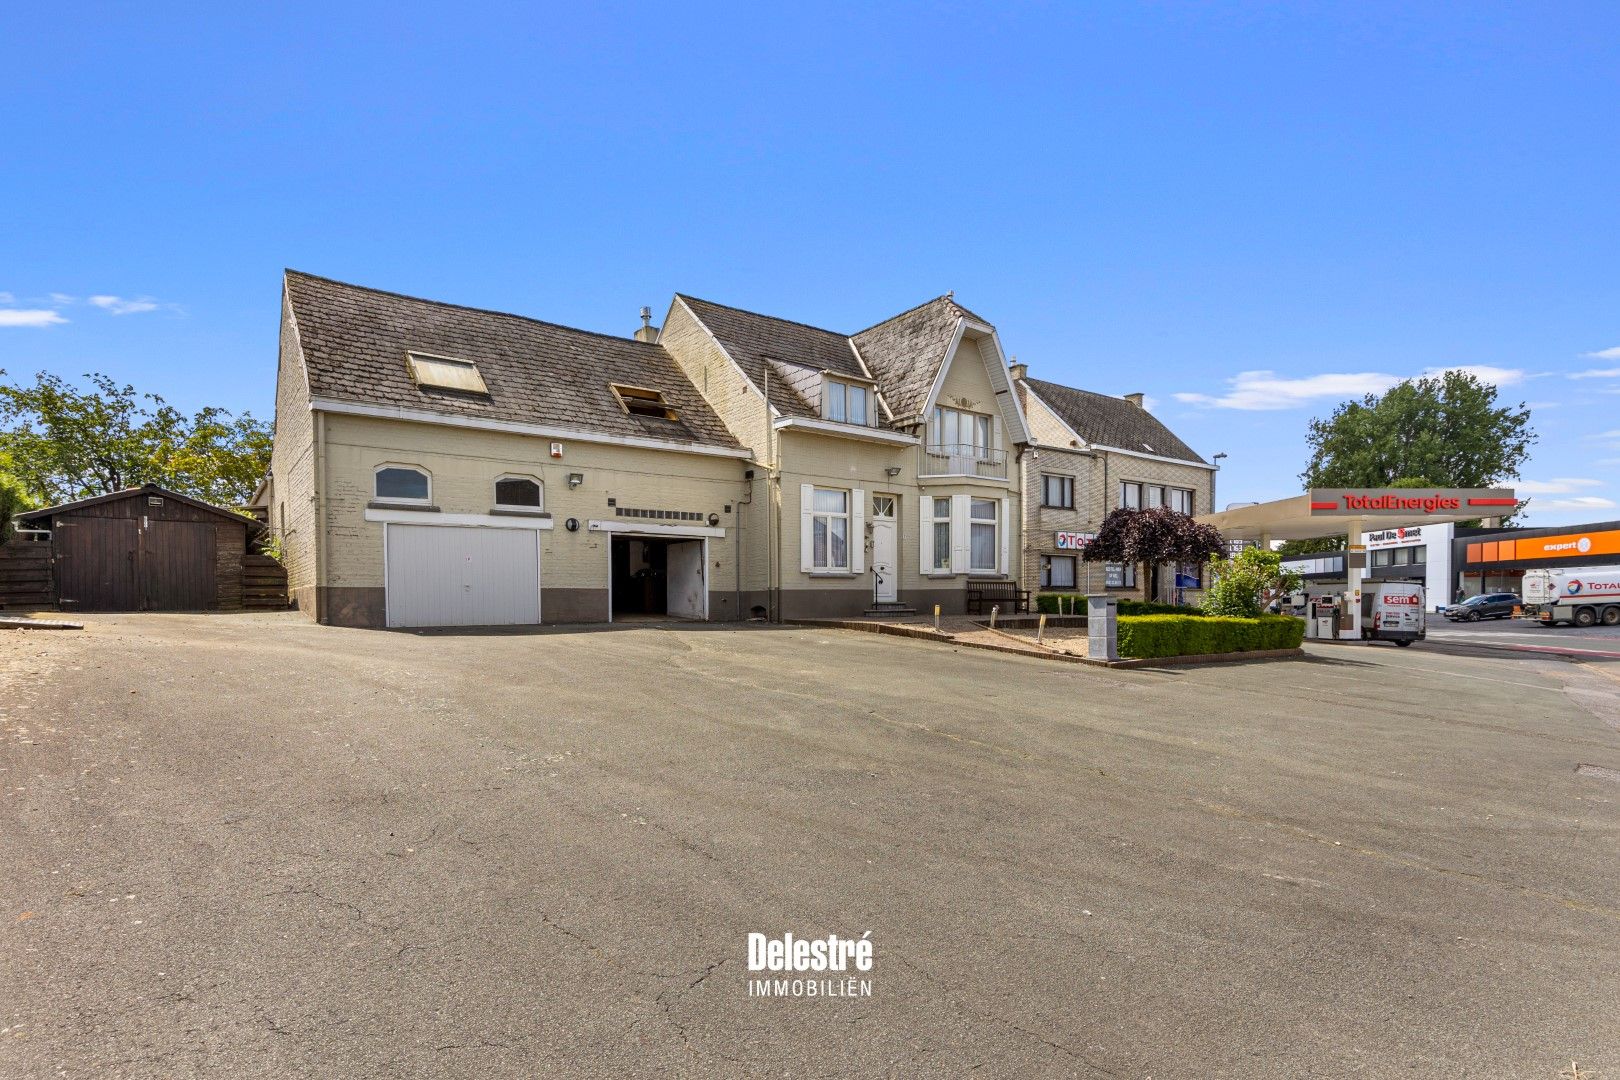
[[1322, 617]]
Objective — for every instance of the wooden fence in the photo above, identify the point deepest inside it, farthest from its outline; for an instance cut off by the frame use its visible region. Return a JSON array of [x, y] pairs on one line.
[[25, 575], [264, 583]]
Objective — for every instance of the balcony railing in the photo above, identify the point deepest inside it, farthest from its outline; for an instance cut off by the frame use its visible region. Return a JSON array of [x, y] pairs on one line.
[[963, 459]]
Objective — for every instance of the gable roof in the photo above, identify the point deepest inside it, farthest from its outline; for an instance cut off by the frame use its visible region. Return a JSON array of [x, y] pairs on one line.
[[1111, 422], [354, 342], [754, 341], [905, 352], [133, 492]]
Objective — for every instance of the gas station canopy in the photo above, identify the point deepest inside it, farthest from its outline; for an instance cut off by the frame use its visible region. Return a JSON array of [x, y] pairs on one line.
[[1335, 511]]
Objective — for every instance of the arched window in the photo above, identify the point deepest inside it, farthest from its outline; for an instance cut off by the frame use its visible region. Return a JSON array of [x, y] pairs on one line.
[[402, 484], [518, 493]]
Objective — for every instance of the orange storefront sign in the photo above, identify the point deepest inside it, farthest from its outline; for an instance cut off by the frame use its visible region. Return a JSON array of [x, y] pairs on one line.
[[1566, 546]]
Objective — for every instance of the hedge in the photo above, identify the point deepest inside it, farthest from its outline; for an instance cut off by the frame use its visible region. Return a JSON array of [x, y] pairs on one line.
[[1075, 603], [1142, 636]]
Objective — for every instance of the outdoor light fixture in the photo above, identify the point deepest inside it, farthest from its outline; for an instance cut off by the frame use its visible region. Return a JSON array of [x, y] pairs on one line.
[[575, 479], [714, 519], [893, 470]]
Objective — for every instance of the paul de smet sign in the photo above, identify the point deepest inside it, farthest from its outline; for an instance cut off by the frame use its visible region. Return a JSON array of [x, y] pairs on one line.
[[1412, 502]]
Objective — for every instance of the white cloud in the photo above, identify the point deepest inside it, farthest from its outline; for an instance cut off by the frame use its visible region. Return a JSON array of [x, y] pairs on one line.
[[1604, 354], [1563, 485], [1265, 390], [118, 305], [1579, 502], [1149, 402], [1597, 373], [1615, 434], [1496, 376], [29, 317], [63, 298]]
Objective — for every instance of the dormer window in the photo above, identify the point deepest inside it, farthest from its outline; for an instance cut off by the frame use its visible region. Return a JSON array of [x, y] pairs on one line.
[[445, 373], [846, 402], [640, 401]]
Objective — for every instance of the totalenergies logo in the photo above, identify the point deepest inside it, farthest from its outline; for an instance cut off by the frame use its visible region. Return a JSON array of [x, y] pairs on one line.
[[1573, 587]]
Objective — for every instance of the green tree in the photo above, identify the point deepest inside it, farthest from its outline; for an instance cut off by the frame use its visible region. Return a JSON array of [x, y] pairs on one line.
[[1147, 538], [1243, 585], [1443, 431], [66, 442]]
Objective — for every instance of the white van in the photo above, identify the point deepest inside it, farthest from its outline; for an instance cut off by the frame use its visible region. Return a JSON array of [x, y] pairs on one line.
[[1392, 611]]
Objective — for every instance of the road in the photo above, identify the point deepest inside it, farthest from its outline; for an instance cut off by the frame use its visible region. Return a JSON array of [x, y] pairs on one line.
[[1593, 642], [253, 847]]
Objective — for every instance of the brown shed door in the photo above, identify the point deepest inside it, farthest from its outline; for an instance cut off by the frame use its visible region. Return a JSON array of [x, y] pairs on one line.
[[96, 563], [177, 562]]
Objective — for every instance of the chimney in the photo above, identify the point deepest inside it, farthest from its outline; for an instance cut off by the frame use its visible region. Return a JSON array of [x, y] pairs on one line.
[[1135, 399], [1018, 371], [648, 331]]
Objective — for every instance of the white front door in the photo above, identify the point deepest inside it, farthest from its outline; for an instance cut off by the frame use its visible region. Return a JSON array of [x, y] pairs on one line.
[[885, 545]]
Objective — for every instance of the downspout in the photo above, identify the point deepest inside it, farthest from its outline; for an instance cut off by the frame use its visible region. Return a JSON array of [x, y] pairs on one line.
[[322, 615], [773, 524], [746, 500]]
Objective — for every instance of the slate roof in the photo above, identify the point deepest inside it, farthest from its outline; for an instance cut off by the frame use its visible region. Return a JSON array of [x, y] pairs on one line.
[[753, 340], [354, 342], [905, 352], [1110, 421]]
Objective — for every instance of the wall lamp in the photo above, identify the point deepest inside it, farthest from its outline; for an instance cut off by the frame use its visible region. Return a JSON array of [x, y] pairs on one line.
[[575, 479], [893, 470]]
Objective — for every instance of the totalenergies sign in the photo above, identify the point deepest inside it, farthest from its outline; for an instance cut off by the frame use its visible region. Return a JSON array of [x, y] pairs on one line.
[[1577, 587], [1411, 502], [1073, 541]]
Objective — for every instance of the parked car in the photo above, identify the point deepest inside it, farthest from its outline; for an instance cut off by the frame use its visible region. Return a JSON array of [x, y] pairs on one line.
[[1497, 605]]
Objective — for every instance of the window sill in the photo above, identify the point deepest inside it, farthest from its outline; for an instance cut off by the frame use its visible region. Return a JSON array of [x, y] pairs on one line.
[[833, 574], [519, 511], [385, 504]]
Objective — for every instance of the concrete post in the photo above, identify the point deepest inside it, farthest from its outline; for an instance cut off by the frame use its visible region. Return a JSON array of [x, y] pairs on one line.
[[1102, 629], [1355, 569]]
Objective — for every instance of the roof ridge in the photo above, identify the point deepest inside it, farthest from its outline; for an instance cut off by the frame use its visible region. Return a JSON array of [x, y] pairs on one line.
[[949, 298], [286, 271], [1079, 390], [762, 315]]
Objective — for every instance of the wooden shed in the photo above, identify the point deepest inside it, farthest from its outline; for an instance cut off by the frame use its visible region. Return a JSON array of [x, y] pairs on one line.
[[149, 549]]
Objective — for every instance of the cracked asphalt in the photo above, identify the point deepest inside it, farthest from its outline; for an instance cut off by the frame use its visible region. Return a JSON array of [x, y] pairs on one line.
[[248, 846]]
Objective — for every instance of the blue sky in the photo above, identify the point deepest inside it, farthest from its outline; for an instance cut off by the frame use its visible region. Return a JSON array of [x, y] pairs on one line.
[[1247, 212]]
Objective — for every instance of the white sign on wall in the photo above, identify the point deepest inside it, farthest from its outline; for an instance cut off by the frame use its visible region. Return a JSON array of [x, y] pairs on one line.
[[1395, 537], [1073, 541]]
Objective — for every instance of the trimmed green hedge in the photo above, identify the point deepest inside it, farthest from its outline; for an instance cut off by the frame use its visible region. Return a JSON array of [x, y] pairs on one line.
[[1142, 636], [1075, 603]]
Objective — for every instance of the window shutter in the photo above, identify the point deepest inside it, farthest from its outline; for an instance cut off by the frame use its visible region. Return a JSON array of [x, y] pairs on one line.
[[960, 505], [807, 502], [1004, 533], [857, 531], [925, 535]]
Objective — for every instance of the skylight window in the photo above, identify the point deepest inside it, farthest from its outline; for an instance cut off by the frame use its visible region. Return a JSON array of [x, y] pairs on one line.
[[640, 401], [445, 373]]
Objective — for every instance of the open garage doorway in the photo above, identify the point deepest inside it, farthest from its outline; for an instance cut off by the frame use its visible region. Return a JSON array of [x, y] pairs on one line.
[[659, 578]]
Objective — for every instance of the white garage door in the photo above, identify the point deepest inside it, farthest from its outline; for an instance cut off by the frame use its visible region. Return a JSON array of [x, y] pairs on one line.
[[449, 575]]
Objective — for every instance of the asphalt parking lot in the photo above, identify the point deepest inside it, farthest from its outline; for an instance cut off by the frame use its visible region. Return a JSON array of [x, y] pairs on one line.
[[248, 846], [1597, 643]]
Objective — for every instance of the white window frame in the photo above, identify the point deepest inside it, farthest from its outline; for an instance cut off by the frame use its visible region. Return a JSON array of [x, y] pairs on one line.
[[840, 391], [847, 517], [539, 483], [976, 523], [936, 557], [982, 432], [400, 500]]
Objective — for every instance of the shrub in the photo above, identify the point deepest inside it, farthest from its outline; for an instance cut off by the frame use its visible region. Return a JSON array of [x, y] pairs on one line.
[[1048, 603], [1242, 586], [1143, 636]]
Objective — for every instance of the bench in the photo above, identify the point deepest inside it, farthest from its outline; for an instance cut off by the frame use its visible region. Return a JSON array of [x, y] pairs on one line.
[[982, 595]]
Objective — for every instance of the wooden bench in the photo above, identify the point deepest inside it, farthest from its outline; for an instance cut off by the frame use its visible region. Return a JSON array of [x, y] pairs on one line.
[[982, 595]]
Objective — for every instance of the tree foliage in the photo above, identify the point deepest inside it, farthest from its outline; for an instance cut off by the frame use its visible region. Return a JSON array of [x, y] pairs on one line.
[[1244, 584], [1149, 537], [1443, 430], [66, 442]]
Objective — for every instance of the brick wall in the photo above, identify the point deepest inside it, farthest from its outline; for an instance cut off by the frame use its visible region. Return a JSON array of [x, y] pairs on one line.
[[292, 469]]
